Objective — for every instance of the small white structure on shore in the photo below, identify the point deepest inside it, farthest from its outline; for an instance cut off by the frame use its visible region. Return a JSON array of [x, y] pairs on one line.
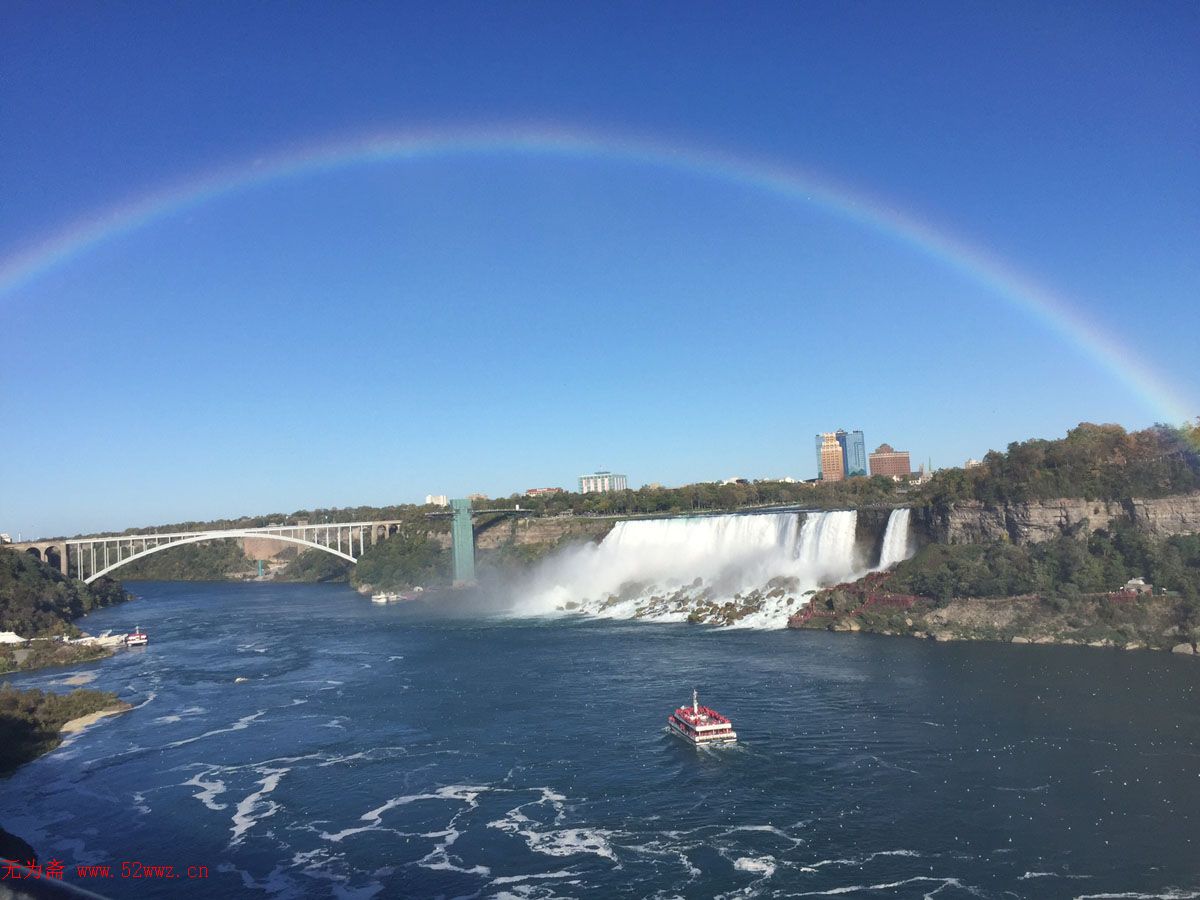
[[11, 637]]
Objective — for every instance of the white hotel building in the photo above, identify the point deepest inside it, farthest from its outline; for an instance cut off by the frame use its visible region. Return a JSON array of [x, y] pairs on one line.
[[602, 482]]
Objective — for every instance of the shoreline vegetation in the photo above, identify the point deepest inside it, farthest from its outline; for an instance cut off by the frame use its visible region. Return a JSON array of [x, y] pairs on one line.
[[34, 721], [39, 603]]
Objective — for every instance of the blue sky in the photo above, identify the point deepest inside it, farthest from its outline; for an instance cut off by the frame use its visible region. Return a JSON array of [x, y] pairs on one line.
[[493, 322]]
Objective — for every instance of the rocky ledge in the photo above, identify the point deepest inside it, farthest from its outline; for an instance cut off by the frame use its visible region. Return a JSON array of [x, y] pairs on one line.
[[1118, 621], [973, 522]]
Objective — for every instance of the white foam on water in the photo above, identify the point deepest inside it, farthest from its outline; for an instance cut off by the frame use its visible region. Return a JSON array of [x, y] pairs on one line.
[[149, 697], [514, 879], [861, 861], [242, 723], [254, 808], [209, 790], [369, 755], [667, 569], [140, 804], [759, 865], [942, 883], [554, 841], [439, 857], [456, 792], [1028, 875]]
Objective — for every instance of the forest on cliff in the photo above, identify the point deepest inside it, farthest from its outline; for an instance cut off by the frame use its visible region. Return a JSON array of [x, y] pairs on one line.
[[1093, 462]]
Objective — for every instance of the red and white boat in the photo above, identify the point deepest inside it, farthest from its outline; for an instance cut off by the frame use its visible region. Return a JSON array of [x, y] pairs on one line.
[[136, 638], [698, 724]]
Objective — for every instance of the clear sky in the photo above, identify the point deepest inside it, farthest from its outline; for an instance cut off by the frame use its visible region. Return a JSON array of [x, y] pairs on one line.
[[516, 315]]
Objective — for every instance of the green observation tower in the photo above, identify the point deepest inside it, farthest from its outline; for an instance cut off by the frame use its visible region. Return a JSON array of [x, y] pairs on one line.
[[464, 543]]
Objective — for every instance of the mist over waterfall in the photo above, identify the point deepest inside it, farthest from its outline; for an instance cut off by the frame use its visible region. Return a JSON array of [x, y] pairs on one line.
[[895, 539], [749, 570]]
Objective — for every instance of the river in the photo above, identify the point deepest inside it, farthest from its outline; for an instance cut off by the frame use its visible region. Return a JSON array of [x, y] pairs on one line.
[[390, 751]]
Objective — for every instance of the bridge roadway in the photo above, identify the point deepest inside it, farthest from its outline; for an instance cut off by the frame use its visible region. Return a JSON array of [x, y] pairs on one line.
[[94, 557]]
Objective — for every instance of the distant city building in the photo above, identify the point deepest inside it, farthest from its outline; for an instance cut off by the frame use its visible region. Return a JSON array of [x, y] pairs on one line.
[[5, 539], [854, 452], [886, 461], [829, 456], [436, 500], [478, 497], [538, 492], [972, 464], [735, 479], [853, 449], [602, 482]]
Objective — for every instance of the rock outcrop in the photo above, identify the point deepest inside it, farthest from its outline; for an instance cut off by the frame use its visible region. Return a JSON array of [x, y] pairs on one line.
[[973, 522], [521, 532]]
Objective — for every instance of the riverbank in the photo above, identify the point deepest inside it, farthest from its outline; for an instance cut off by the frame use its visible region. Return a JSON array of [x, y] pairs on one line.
[[42, 654], [33, 722], [82, 722], [1115, 620]]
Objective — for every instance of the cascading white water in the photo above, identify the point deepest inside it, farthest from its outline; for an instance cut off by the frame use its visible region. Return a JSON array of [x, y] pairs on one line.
[[895, 539], [827, 545], [670, 569]]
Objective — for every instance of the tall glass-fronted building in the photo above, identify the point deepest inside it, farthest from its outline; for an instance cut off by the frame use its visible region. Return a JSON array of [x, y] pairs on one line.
[[854, 454]]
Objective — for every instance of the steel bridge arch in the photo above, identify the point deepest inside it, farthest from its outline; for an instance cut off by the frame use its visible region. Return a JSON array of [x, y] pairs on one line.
[[217, 536]]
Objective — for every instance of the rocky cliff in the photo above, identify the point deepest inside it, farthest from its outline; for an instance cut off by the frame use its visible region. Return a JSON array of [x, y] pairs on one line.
[[526, 532], [972, 522]]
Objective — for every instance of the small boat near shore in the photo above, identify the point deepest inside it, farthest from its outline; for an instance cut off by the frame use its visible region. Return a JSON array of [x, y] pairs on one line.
[[698, 724], [394, 597], [136, 638]]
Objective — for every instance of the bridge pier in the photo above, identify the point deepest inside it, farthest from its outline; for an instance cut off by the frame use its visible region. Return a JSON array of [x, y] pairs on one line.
[[463, 538]]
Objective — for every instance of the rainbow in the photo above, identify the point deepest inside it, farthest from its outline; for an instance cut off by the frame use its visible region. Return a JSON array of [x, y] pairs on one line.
[[1020, 291]]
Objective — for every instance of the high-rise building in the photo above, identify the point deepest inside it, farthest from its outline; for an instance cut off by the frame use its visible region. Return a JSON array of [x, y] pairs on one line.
[[436, 500], [854, 452], [853, 449], [830, 458], [601, 482], [886, 461]]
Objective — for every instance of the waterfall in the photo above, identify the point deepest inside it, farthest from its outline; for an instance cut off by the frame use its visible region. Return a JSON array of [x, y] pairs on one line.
[[827, 544], [895, 539], [673, 569]]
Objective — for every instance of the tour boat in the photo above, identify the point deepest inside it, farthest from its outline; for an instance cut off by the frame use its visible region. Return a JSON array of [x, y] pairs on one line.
[[698, 724], [137, 638], [381, 597]]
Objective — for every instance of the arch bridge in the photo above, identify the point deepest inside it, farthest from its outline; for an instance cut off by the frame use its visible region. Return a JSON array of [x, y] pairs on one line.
[[90, 558]]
